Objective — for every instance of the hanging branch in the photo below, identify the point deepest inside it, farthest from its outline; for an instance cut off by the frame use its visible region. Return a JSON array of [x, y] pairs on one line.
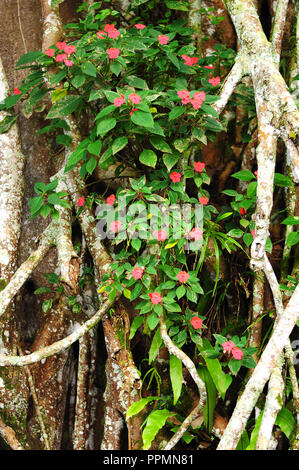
[[189, 364]]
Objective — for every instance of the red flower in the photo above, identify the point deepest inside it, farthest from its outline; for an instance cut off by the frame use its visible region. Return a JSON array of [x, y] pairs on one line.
[[109, 27], [113, 52], [211, 67], [199, 166], [140, 26], [237, 353], [81, 201], [137, 273], [61, 45], [68, 62], [256, 173], [175, 177], [214, 81], [101, 34], [228, 346], [184, 95], [196, 322], [17, 91], [203, 200], [70, 49], [119, 101], [190, 60], [110, 200], [113, 33], [155, 298], [243, 211], [50, 52], [183, 277], [61, 57], [253, 233], [163, 39], [161, 235], [134, 98], [196, 233], [115, 226]]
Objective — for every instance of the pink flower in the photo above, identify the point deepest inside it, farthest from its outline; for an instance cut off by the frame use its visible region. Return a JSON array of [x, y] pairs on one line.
[[214, 81], [186, 100], [196, 233], [110, 200], [61, 57], [203, 200], [256, 173], [101, 34], [183, 277], [113, 33], [61, 45], [17, 91], [113, 52], [81, 201], [140, 26], [137, 273], [115, 226], [199, 95], [155, 298], [68, 62], [163, 39], [50, 52], [175, 177], [70, 49], [133, 111], [190, 60], [253, 233], [183, 94], [211, 67], [196, 322], [243, 211], [119, 101], [199, 166], [228, 346], [134, 98], [109, 27], [196, 104], [161, 235], [237, 353]]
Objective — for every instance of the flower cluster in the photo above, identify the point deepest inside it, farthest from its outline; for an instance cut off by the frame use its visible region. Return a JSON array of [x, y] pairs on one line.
[[64, 56], [230, 347], [196, 101]]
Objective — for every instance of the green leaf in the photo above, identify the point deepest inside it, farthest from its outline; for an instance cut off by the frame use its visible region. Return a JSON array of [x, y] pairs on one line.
[[29, 57], [136, 291], [175, 5], [57, 94], [293, 220], [105, 125], [142, 119], [6, 123], [282, 180], [89, 69], [251, 190], [91, 165], [78, 80], [118, 144], [234, 366], [152, 321], [148, 158], [42, 290], [137, 322], [46, 305], [154, 423], [181, 144], [35, 204], [138, 406], [255, 432], [208, 411], [160, 144], [63, 139], [286, 421], [292, 239], [105, 111], [136, 82], [64, 106], [244, 175], [170, 159], [243, 442], [155, 346], [176, 112], [176, 376], [116, 68], [221, 380], [95, 148]]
